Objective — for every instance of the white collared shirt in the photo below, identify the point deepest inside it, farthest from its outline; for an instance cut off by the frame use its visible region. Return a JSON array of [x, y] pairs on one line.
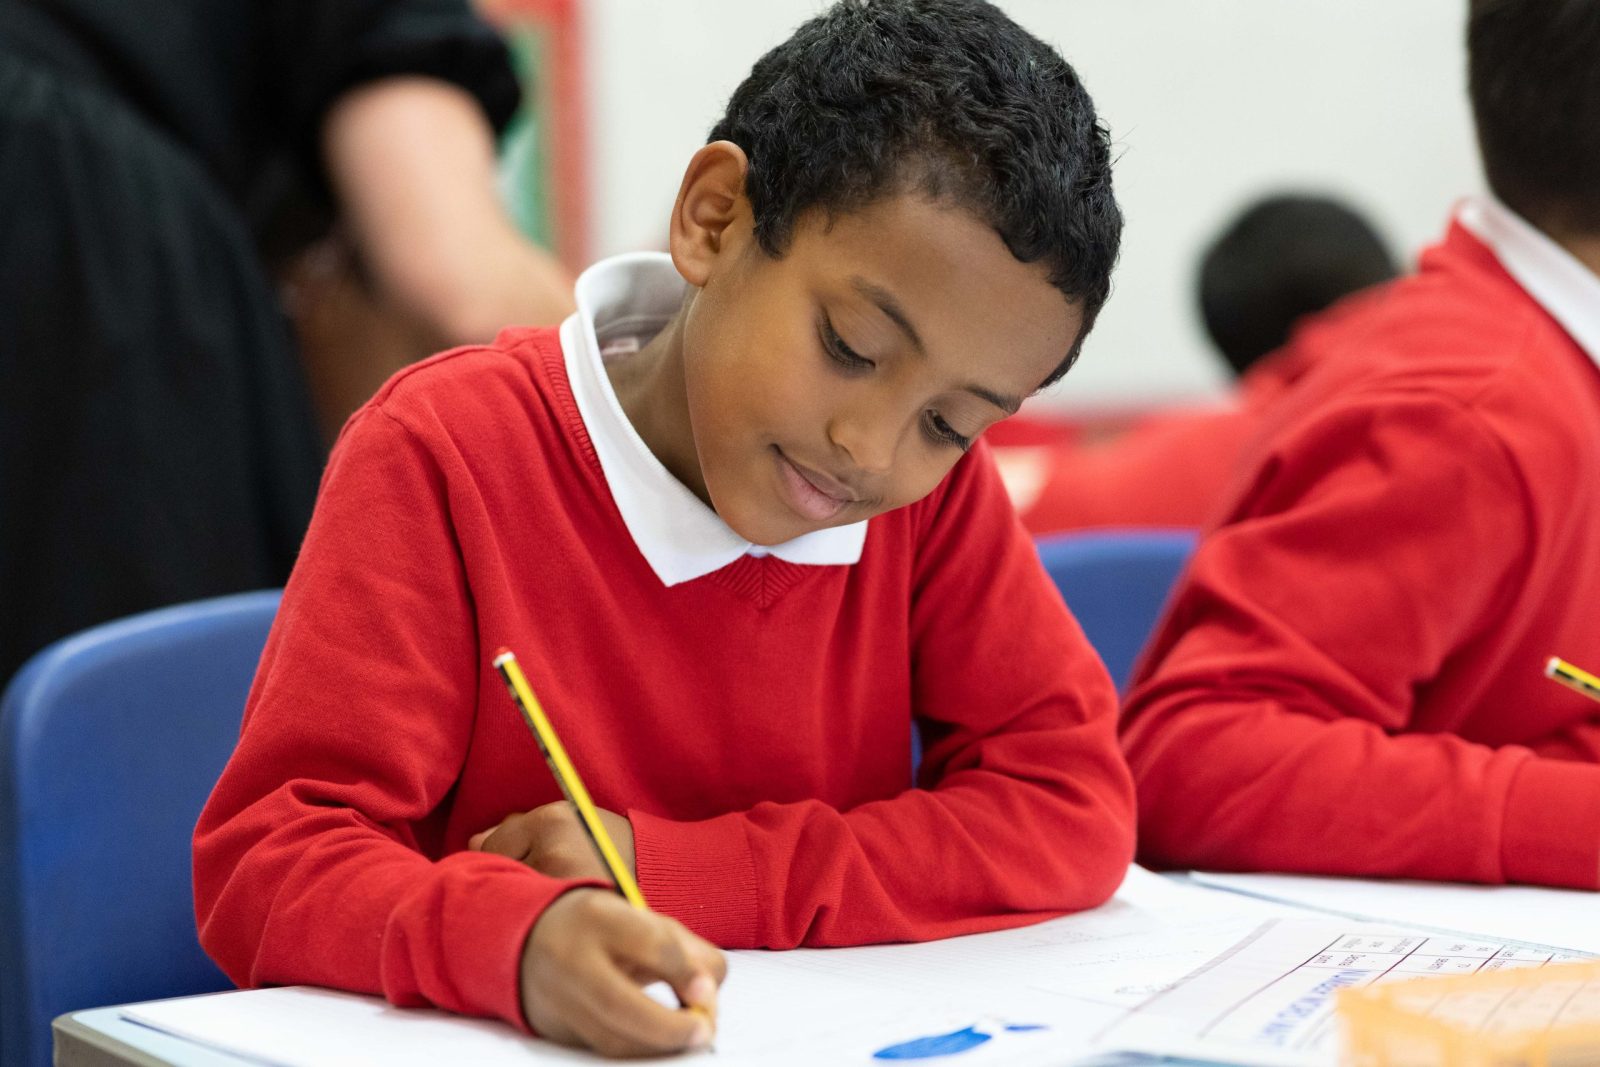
[[1550, 274], [631, 298]]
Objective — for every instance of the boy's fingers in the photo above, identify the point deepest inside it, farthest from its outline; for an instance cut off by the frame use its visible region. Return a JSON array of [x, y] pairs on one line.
[[691, 966], [603, 951], [616, 1018], [675, 955], [694, 969], [709, 957], [511, 837], [701, 992]]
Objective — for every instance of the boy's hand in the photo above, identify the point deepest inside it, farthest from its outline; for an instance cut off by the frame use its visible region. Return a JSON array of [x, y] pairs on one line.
[[552, 841], [584, 964]]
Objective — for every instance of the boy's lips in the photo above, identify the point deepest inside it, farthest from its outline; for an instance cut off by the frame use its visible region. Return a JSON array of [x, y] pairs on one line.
[[813, 494]]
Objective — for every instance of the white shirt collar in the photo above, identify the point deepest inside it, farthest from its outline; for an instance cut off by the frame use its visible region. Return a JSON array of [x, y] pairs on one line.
[[1554, 277], [635, 296]]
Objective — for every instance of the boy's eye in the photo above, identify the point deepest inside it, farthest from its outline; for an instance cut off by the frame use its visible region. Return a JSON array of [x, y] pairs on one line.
[[840, 352], [943, 433]]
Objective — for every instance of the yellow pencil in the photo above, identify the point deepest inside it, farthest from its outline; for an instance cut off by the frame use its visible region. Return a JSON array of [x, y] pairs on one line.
[[567, 776], [1573, 678]]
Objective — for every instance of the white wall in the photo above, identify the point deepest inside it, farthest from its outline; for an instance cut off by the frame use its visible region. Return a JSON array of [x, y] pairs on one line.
[[1209, 102]]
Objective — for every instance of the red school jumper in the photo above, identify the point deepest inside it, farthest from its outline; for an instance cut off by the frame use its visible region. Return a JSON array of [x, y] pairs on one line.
[[1350, 679], [1170, 468], [754, 723]]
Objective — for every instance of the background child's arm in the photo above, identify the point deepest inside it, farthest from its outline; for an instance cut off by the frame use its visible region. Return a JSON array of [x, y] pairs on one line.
[[1266, 733], [310, 862], [1027, 805], [1579, 741]]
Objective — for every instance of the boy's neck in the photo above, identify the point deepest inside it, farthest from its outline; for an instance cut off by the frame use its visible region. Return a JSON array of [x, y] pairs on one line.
[[649, 386]]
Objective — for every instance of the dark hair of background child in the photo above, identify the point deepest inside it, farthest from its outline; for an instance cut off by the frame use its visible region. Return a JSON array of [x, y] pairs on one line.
[[1282, 258], [946, 97]]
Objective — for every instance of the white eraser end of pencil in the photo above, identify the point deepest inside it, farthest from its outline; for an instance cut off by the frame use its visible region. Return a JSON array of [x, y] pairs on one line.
[[501, 656]]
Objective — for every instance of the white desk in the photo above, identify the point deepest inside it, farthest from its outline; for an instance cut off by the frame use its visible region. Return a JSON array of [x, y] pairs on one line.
[[101, 1037]]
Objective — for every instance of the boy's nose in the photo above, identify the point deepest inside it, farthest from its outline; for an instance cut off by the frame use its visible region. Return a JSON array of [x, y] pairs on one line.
[[870, 447]]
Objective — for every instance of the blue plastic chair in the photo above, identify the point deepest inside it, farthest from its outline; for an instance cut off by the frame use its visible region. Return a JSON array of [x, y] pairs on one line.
[[110, 742], [1116, 583]]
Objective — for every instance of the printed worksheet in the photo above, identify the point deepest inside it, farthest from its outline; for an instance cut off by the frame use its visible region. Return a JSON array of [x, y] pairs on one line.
[[1269, 999]]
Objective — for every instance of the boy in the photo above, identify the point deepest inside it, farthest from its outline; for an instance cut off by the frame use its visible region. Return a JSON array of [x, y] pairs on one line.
[[1350, 678], [729, 520]]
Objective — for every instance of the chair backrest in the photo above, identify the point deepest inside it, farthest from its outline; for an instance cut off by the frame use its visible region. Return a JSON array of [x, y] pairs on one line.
[[110, 742], [1116, 583]]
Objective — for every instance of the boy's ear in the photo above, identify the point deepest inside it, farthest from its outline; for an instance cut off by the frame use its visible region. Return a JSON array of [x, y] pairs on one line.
[[710, 200]]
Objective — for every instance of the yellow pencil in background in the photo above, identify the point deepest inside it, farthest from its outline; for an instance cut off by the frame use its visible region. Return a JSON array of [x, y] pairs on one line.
[[1561, 671], [567, 776]]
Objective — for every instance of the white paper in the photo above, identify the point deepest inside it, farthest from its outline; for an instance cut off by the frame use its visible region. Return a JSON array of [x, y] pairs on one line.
[[1565, 918], [1033, 995], [1269, 1000], [300, 1025]]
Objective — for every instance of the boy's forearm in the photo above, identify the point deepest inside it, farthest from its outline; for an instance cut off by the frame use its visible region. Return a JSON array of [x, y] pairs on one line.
[[368, 914], [985, 850], [307, 862]]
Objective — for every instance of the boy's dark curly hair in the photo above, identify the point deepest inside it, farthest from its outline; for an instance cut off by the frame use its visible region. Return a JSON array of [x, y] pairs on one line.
[[946, 97]]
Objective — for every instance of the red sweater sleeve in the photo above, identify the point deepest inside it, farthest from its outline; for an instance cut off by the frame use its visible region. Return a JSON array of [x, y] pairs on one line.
[[1025, 806], [1128, 481], [1580, 741], [1273, 725], [310, 861]]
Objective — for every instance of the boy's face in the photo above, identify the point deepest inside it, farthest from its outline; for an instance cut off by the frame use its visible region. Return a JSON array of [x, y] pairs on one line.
[[844, 378]]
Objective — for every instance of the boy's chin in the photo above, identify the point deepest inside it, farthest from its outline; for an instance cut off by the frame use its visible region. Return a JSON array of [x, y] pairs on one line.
[[765, 526], [768, 531]]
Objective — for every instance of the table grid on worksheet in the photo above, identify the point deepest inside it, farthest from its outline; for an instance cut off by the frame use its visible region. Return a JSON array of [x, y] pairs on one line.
[[1395, 958]]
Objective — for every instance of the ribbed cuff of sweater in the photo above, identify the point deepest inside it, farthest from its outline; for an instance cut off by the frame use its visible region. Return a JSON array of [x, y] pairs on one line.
[[1551, 834], [701, 873]]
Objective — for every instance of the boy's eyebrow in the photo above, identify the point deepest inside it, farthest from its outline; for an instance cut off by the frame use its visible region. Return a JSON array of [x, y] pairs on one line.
[[1007, 404], [886, 303], [889, 306]]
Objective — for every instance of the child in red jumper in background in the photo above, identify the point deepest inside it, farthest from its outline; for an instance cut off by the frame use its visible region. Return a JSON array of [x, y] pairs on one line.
[[734, 519], [1278, 266], [1350, 679]]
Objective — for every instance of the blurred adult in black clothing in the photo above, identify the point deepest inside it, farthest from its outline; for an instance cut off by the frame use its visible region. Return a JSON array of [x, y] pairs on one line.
[[158, 160]]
